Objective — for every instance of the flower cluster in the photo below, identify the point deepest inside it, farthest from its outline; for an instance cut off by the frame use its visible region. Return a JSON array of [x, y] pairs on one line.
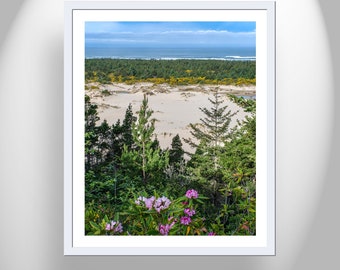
[[164, 229], [114, 226], [158, 204], [189, 212], [185, 220], [161, 203], [191, 193], [183, 212]]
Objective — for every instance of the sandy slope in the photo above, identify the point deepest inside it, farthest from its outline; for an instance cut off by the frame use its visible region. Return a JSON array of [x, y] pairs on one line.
[[174, 107]]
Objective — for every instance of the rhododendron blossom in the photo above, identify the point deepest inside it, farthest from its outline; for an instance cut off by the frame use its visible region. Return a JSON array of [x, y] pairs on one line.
[[185, 220], [164, 229], [114, 226], [191, 193], [149, 202], [162, 203], [189, 212]]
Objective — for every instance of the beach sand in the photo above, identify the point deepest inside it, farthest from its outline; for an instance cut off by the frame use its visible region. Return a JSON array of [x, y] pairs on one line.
[[175, 107]]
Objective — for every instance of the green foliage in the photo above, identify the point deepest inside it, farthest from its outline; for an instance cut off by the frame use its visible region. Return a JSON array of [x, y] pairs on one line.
[[96, 217], [127, 126], [125, 159], [91, 136], [212, 134], [176, 153], [156, 215], [145, 160], [248, 104], [181, 71], [224, 166], [214, 129]]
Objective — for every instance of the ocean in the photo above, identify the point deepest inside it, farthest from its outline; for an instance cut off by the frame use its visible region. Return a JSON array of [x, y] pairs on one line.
[[235, 54]]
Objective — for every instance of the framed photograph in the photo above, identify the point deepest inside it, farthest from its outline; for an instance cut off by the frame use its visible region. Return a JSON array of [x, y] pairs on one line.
[[169, 128]]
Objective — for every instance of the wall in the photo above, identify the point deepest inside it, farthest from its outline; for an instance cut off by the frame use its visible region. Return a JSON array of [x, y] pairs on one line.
[[31, 143]]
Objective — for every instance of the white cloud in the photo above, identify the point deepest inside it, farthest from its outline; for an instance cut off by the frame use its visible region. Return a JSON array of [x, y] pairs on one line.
[[210, 37]]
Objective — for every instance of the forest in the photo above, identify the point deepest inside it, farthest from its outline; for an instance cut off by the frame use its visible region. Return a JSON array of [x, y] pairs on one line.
[[180, 71], [134, 187]]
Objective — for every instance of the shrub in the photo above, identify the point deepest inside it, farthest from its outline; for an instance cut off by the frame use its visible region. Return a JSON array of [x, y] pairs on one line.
[[154, 215]]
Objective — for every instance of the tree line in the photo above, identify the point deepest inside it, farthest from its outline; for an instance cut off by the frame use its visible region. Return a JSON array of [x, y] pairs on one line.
[[179, 71]]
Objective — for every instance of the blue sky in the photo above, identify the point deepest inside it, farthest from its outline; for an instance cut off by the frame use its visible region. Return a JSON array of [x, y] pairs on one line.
[[170, 34]]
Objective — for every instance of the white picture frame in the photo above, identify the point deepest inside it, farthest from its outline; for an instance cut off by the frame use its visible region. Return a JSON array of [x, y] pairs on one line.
[[75, 242]]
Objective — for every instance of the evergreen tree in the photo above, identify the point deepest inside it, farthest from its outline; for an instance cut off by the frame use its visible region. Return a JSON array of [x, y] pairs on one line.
[[128, 122], [176, 153], [215, 126], [145, 158], [103, 143], [91, 115], [240, 154], [214, 129], [91, 135], [211, 137], [142, 133], [121, 134], [116, 145]]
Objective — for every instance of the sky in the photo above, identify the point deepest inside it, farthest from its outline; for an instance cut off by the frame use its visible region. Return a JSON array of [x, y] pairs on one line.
[[170, 34]]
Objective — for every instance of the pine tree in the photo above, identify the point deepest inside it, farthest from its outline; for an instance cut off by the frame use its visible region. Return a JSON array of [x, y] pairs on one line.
[[103, 144], [120, 135], [142, 132], [91, 136], [176, 153], [91, 115], [145, 157], [211, 136], [128, 122], [214, 128], [176, 172]]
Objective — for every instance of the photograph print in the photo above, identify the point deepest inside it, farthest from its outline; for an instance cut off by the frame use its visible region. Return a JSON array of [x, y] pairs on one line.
[[170, 128]]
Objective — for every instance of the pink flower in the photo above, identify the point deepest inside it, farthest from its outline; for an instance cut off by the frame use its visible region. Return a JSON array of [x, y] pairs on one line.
[[164, 229], [149, 202], [185, 220], [119, 228], [114, 226], [211, 233], [189, 212], [191, 193], [162, 203], [108, 227], [174, 221]]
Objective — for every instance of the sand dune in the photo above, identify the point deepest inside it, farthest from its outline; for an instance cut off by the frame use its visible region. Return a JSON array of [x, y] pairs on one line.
[[174, 107]]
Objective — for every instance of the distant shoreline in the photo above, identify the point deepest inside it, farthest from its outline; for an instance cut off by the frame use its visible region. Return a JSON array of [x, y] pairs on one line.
[[225, 58], [164, 53]]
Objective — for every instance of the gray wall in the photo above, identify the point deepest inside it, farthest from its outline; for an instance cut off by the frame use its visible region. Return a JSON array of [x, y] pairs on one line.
[[31, 143]]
